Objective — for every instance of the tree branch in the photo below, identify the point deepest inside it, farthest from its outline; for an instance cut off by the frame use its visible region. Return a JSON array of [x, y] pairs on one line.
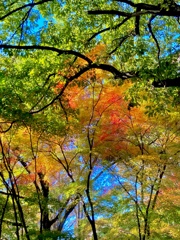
[[11, 124], [167, 83], [121, 40], [172, 12], [22, 7], [48, 48], [173, 7], [9, 194], [153, 35], [117, 74], [137, 21], [109, 28], [13, 223]]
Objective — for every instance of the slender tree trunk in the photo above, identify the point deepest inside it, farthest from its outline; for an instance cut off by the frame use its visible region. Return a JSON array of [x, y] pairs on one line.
[[3, 213]]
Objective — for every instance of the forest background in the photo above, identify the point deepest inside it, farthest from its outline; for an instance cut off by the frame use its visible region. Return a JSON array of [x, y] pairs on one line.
[[89, 119]]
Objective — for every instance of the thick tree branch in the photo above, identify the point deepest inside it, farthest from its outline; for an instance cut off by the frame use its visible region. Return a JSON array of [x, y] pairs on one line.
[[67, 212], [172, 8], [137, 21], [167, 83], [112, 12], [141, 9], [117, 74], [48, 48], [162, 12]]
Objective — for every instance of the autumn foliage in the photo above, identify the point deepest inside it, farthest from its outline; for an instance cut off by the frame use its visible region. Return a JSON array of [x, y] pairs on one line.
[[105, 153]]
